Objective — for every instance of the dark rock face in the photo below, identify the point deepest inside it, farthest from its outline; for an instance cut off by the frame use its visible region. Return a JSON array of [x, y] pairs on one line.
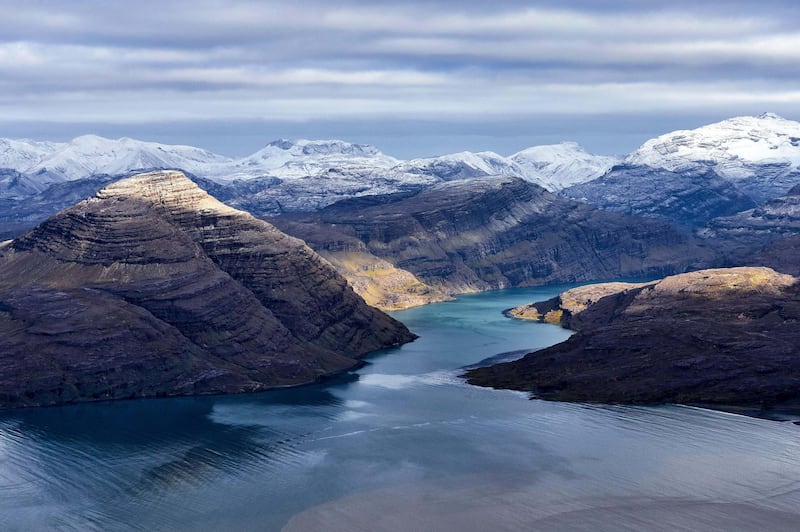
[[724, 337], [746, 233], [782, 255], [688, 199], [495, 232], [153, 287]]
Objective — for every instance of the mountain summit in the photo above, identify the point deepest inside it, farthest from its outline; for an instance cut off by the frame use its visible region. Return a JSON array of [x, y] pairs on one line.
[[153, 287], [692, 176], [760, 155], [561, 165]]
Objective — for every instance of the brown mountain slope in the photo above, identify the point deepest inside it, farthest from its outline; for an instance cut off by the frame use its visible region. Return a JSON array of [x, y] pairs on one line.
[[723, 336], [153, 287], [496, 232]]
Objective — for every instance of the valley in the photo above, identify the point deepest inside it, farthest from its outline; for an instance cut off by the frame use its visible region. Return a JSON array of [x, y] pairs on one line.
[[398, 234], [396, 266]]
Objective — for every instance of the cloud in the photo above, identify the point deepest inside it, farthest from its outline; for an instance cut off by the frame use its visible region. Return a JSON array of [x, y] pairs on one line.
[[93, 61]]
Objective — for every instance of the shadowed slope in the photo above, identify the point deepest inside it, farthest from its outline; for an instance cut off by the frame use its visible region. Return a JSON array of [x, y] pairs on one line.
[[722, 336], [198, 297], [496, 232]]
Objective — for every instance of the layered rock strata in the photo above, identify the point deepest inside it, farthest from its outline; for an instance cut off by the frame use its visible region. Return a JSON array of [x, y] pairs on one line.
[[153, 287], [745, 233], [689, 198], [496, 232], [718, 337]]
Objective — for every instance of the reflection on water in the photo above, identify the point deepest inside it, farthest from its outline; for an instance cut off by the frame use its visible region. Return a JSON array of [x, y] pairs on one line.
[[400, 443]]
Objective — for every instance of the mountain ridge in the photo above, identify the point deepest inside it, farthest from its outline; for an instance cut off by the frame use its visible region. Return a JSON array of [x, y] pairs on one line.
[[718, 337], [691, 176], [284, 158], [686, 177], [494, 232], [153, 287]]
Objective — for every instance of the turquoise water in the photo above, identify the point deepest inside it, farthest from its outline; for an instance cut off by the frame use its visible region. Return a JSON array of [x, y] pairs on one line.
[[399, 444]]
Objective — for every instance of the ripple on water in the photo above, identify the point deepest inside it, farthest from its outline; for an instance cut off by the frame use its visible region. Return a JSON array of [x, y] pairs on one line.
[[402, 442]]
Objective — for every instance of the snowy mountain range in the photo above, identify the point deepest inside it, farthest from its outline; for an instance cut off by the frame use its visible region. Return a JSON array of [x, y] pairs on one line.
[[52, 162], [687, 176], [87, 155], [284, 176]]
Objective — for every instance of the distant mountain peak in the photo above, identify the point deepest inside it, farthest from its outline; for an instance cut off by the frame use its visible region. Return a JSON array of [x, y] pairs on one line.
[[760, 154], [324, 147], [564, 145], [90, 137], [284, 144], [770, 116], [564, 164]]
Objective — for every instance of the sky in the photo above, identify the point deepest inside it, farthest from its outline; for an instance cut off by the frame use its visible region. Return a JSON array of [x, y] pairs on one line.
[[415, 78]]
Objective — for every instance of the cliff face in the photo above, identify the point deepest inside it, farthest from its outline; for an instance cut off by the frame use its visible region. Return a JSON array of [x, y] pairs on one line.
[[153, 287], [744, 234], [495, 232], [560, 309], [723, 336], [688, 198]]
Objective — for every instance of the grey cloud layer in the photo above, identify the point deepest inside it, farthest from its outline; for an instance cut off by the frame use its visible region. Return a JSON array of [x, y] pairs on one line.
[[173, 60]]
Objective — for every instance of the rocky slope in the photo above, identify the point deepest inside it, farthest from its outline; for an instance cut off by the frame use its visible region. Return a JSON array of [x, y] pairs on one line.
[[153, 287], [687, 199], [379, 282], [752, 229], [782, 255], [718, 337], [559, 310], [495, 232]]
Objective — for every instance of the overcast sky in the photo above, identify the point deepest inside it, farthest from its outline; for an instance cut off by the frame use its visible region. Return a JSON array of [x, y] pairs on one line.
[[416, 77]]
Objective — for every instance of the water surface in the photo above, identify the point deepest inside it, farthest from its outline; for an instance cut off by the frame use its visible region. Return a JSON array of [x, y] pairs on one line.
[[399, 444]]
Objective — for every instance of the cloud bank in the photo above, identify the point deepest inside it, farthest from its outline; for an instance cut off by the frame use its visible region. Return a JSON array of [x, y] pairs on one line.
[[91, 62]]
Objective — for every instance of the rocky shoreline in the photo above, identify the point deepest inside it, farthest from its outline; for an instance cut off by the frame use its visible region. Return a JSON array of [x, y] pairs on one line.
[[713, 337]]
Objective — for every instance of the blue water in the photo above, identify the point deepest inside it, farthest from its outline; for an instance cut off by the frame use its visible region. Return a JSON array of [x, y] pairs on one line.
[[400, 444]]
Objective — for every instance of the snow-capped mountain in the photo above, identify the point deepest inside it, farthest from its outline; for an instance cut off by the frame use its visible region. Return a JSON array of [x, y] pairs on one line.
[[464, 165], [23, 154], [90, 155], [692, 176], [302, 158], [760, 155], [558, 166], [50, 162]]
